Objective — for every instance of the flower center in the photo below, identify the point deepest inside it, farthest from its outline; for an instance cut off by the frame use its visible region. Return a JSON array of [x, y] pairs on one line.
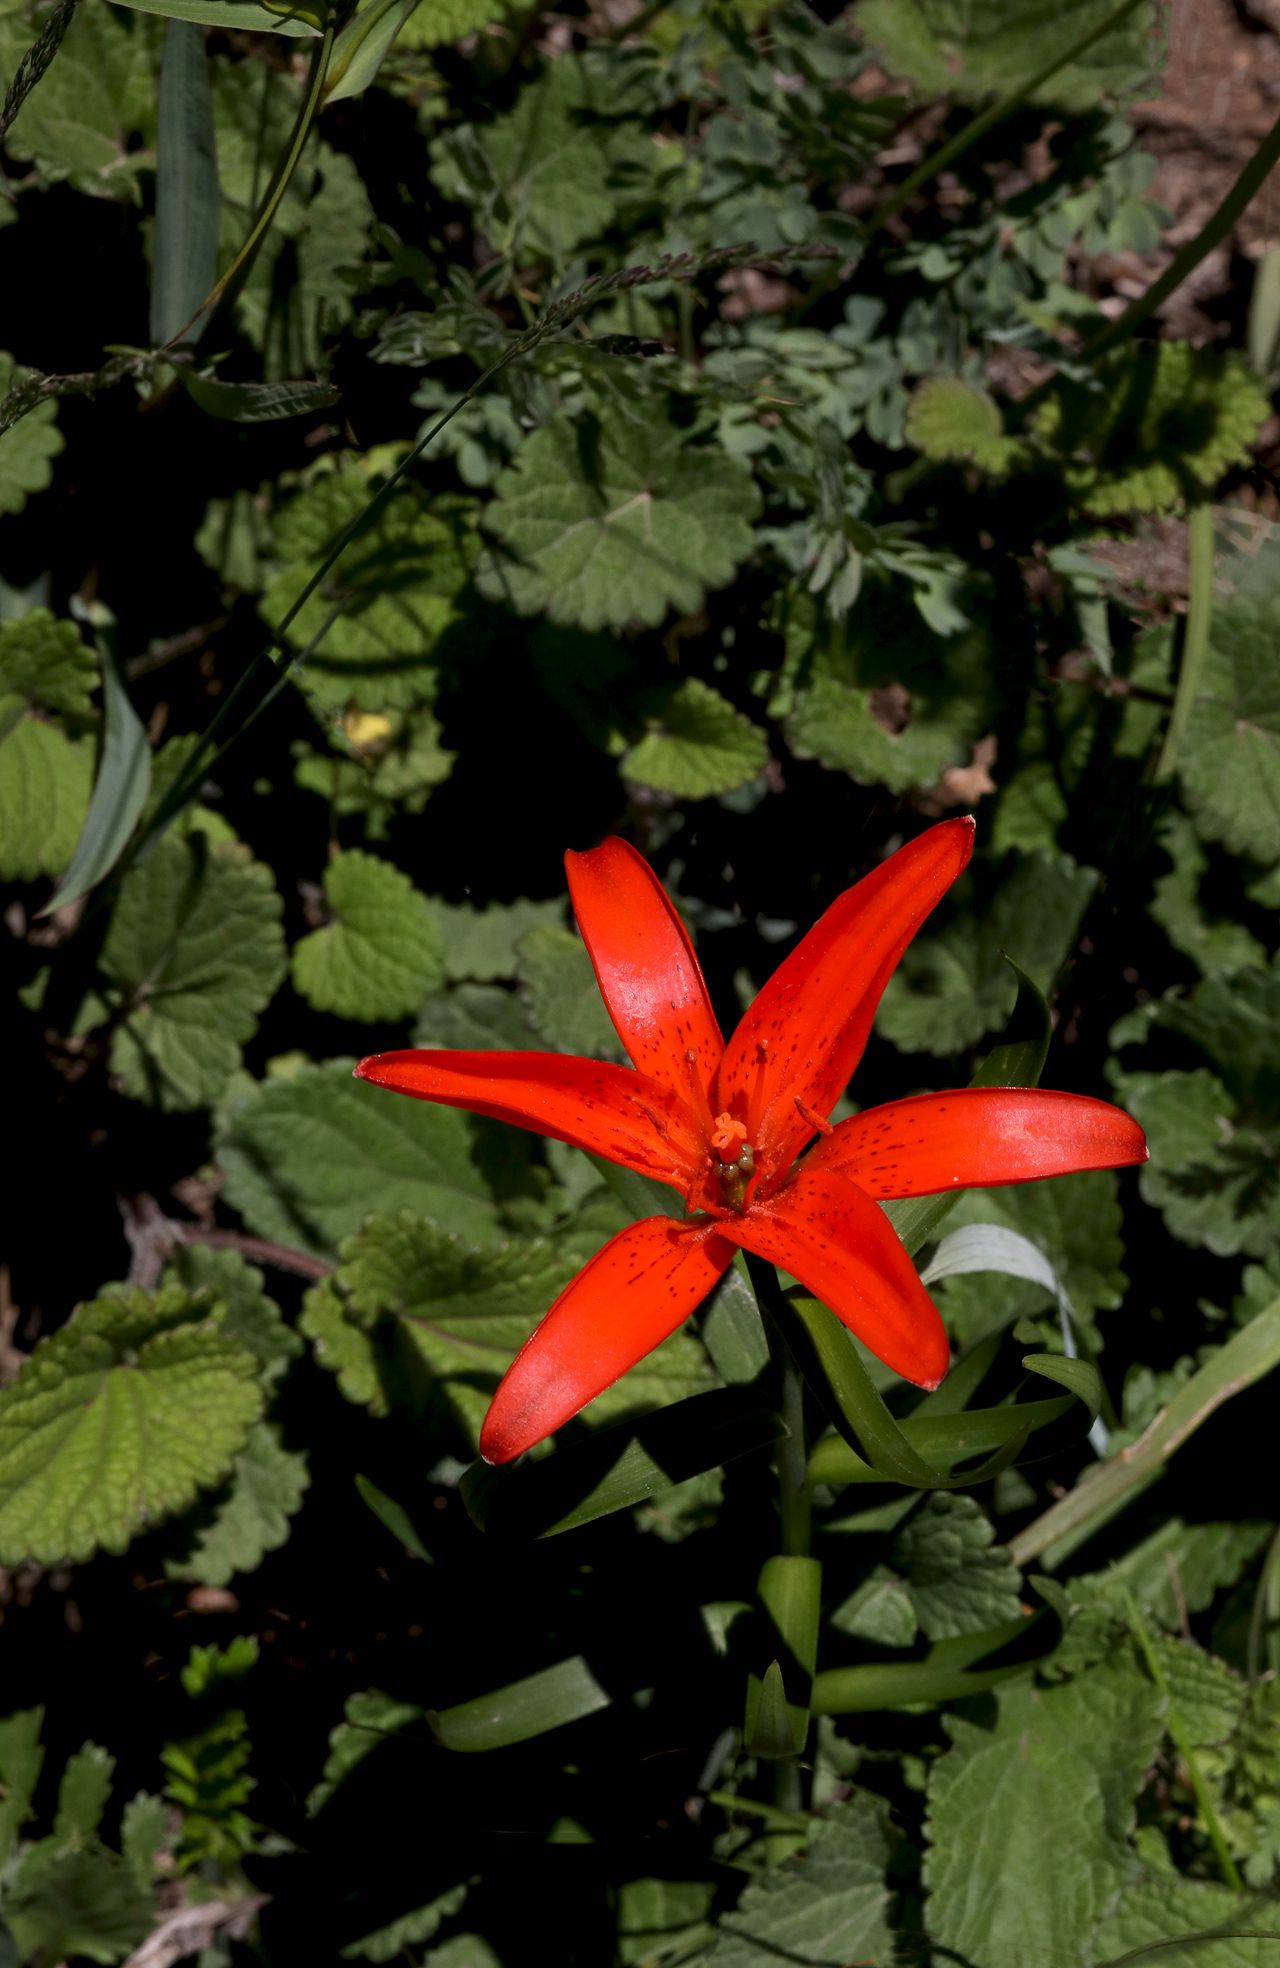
[[737, 1161]]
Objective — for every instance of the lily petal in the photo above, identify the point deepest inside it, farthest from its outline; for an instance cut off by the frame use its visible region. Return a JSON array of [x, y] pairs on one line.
[[608, 1110], [649, 977], [622, 1304], [829, 1234], [977, 1138], [805, 1032]]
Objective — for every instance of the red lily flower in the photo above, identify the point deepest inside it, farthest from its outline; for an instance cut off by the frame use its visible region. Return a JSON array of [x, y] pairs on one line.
[[725, 1123]]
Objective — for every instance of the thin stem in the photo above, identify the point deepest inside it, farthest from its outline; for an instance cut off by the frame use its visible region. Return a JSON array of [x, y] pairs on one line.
[[974, 131], [1195, 641], [795, 1505], [1214, 230]]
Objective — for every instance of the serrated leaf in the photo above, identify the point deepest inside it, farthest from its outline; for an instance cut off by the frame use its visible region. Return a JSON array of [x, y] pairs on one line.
[[1208, 1696], [411, 1305], [1155, 424], [953, 984], [98, 94], [697, 746], [561, 996], [393, 763], [474, 1018], [1057, 1771], [46, 662], [977, 48], [45, 783], [121, 1417], [529, 172], [382, 950], [144, 1825], [1229, 760], [1182, 1567], [83, 1794], [21, 1760], [369, 1719], [1214, 945], [26, 449], [949, 418], [250, 1517], [958, 1578], [249, 1316], [1155, 1914], [602, 521], [880, 1611], [481, 944], [390, 1943], [195, 950], [442, 21], [307, 1159], [399, 582], [829, 1903], [87, 1903], [1213, 1168], [658, 1917]]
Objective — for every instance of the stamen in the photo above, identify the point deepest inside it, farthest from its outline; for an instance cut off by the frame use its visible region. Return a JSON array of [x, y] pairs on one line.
[[698, 1092], [726, 1136], [806, 1113]]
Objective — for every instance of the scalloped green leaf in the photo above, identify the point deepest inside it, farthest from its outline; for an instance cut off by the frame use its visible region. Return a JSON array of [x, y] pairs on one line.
[[195, 950], [953, 984], [45, 661], [561, 996], [46, 780], [413, 1309], [306, 1159], [251, 1517], [1159, 423], [399, 582], [831, 1902], [602, 521], [88, 1903], [1213, 1167], [26, 450], [950, 418], [979, 48], [1219, 1927], [1229, 760], [121, 1417], [1057, 1770], [97, 96], [697, 746], [380, 953]]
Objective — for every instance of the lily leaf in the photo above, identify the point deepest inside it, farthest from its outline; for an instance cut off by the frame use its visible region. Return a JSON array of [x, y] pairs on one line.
[[560, 1694], [620, 1466]]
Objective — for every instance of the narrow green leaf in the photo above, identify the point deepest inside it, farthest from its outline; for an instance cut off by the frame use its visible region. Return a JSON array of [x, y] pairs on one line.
[[950, 1671], [769, 1730], [256, 403], [119, 793], [548, 1700], [732, 1329], [359, 49], [943, 1441], [244, 14], [1246, 1357], [187, 199], [835, 1370], [618, 1467], [790, 1595], [393, 1517]]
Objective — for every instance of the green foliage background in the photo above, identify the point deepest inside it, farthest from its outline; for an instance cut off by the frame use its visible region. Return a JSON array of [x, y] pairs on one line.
[[773, 517]]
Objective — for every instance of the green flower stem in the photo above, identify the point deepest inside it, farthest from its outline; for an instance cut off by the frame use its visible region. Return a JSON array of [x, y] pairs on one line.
[[1264, 1621], [1214, 230], [1182, 1743], [1195, 641], [973, 132], [794, 1499]]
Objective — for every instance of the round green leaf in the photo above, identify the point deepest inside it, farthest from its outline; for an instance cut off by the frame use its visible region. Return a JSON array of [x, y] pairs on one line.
[[381, 952]]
